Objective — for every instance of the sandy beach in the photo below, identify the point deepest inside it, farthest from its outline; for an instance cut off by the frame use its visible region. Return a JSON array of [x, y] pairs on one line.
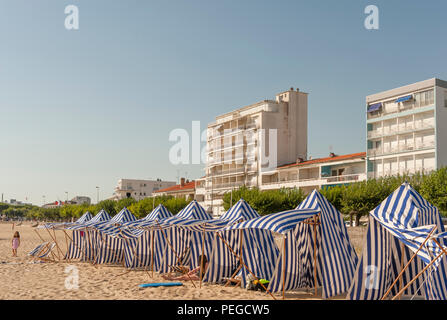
[[20, 278]]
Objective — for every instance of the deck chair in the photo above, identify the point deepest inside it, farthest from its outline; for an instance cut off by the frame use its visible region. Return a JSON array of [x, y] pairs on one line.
[[43, 251], [236, 277], [182, 263]]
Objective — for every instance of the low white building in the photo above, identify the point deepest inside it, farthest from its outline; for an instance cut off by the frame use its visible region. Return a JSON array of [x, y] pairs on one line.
[[311, 174], [81, 200], [139, 189]]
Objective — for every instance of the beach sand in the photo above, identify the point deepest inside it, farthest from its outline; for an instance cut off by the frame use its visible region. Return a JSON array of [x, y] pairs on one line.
[[22, 279]]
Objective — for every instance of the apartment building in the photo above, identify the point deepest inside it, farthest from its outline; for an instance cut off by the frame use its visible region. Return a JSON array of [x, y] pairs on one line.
[[317, 173], [406, 129], [244, 143], [138, 189]]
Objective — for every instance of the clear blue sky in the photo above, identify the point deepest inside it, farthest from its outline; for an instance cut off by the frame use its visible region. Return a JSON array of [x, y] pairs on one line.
[[81, 109]]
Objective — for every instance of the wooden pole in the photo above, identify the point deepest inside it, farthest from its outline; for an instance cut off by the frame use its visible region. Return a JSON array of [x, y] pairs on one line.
[[66, 243], [57, 246], [416, 277], [315, 253], [284, 269], [152, 254], [201, 260], [402, 250], [422, 271], [232, 251], [408, 264]]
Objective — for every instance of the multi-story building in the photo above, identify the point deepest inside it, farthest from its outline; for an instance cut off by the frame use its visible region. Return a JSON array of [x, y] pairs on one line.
[[138, 189], [406, 129], [317, 173], [248, 141]]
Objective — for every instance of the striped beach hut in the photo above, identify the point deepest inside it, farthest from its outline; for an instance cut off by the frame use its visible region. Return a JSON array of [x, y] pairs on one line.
[[315, 249], [83, 243], [181, 240], [326, 244], [258, 247], [150, 243], [111, 241], [394, 234]]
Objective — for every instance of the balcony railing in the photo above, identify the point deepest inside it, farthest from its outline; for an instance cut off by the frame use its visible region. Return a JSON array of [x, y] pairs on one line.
[[227, 171], [330, 179], [342, 178], [229, 185], [402, 148]]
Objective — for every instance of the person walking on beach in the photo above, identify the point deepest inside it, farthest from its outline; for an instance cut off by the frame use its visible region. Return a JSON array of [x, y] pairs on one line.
[[15, 243]]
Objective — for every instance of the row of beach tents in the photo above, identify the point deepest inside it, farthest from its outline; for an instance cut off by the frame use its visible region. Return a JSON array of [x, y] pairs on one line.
[[308, 247]]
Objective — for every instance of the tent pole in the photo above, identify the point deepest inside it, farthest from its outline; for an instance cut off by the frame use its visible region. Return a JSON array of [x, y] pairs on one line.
[[201, 259], [284, 269], [423, 270], [57, 246], [232, 251], [178, 258], [152, 254], [315, 253], [408, 264], [417, 276], [402, 250], [93, 250], [66, 243]]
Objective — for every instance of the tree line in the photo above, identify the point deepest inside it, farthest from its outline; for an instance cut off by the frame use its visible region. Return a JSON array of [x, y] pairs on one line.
[[354, 200], [71, 212]]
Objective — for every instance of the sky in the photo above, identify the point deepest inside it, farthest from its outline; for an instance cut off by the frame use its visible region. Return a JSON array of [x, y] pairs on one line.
[[84, 108]]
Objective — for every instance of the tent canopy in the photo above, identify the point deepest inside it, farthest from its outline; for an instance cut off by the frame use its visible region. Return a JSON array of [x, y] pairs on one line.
[[281, 222], [396, 229]]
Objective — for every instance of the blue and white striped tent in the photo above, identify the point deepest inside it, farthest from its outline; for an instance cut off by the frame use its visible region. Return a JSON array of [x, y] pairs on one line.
[[112, 242], [180, 239], [258, 247], [150, 240], [83, 244], [396, 229], [336, 258]]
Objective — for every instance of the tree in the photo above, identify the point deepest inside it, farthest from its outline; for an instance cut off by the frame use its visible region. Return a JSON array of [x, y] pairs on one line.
[[434, 189], [108, 206], [124, 203]]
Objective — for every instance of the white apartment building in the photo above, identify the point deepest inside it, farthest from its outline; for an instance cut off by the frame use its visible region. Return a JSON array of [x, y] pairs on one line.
[[139, 189], [317, 173], [248, 141], [406, 129]]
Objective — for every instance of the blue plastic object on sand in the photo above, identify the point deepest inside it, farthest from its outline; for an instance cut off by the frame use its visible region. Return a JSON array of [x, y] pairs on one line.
[[161, 284]]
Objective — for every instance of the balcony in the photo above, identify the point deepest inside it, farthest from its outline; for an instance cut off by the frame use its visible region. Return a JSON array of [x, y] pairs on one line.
[[345, 178], [232, 131], [230, 185], [315, 181], [227, 171], [402, 148]]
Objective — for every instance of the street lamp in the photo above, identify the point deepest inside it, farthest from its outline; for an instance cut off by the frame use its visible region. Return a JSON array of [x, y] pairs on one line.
[[66, 192], [97, 194], [43, 197]]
